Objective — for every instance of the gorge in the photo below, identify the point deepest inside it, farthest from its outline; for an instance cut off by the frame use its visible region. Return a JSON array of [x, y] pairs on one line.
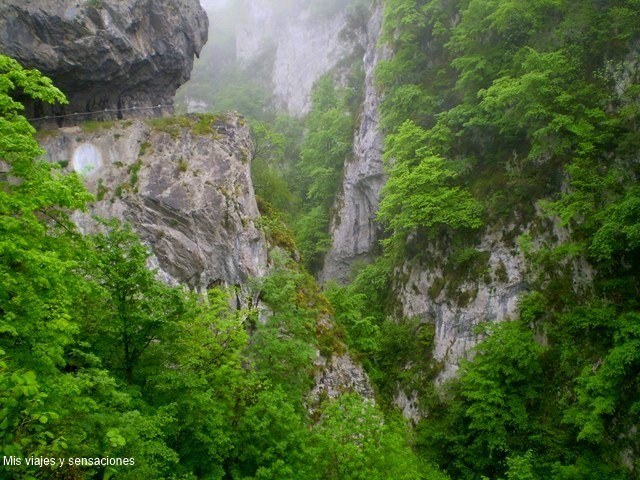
[[368, 239]]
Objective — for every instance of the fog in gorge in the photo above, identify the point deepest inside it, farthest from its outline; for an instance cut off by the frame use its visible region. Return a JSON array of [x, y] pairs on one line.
[[265, 54]]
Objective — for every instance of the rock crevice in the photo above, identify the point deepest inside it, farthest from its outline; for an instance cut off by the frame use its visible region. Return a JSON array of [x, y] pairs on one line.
[[354, 229]]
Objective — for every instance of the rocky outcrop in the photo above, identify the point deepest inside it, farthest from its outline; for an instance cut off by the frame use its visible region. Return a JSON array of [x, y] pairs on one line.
[[301, 42], [339, 375], [484, 290], [104, 54], [408, 405], [354, 230], [183, 184]]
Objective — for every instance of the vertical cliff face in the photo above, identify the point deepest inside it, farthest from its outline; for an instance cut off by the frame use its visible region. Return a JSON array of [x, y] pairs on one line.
[[302, 45], [296, 45], [184, 185], [484, 289], [457, 298], [354, 230], [423, 291]]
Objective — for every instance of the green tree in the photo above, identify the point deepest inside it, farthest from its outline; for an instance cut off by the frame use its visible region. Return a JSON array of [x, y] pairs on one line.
[[37, 270], [273, 441], [420, 191], [326, 146], [269, 167], [203, 384], [282, 346], [327, 143], [56, 400], [490, 416], [521, 467], [141, 309], [354, 442], [606, 385]]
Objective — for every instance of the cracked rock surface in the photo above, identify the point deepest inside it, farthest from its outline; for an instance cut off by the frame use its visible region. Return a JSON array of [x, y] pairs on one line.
[[188, 194]]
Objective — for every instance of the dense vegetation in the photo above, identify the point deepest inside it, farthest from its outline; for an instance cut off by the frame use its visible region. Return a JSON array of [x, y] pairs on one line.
[[521, 117], [99, 359], [515, 117], [525, 113]]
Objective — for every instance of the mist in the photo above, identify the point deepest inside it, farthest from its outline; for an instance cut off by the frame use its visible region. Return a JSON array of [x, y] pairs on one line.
[[213, 4], [264, 56]]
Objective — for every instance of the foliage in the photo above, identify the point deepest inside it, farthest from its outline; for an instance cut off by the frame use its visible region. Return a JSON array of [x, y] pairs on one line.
[[497, 387], [491, 106], [606, 389], [355, 442], [141, 309], [362, 332], [327, 143], [37, 270], [273, 440], [312, 236], [98, 358], [396, 352], [282, 346], [325, 148], [419, 192], [488, 107], [490, 418], [275, 228], [198, 124], [269, 161]]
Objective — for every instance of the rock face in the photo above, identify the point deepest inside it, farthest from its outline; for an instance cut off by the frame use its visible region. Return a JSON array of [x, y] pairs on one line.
[[185, 187], [303, 44], [485, 291], [354, 230], [490, 295], [339, 375], [141, 51]]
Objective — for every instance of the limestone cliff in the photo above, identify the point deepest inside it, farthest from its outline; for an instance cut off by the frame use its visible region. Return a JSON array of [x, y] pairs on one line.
[[454, 302], [183, 184], [282, 48], [354, 230], [289, 47], [457, 298], [105, 54], [423, 290], [303, 43]]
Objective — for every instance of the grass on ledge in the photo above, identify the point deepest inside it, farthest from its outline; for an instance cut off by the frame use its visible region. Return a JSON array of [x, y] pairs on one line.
[[202, 124]]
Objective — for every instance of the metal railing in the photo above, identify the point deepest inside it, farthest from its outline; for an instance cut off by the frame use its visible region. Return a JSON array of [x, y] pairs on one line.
[[106, 110]]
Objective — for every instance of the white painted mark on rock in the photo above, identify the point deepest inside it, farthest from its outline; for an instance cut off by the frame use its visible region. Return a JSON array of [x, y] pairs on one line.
[[86, 159]]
